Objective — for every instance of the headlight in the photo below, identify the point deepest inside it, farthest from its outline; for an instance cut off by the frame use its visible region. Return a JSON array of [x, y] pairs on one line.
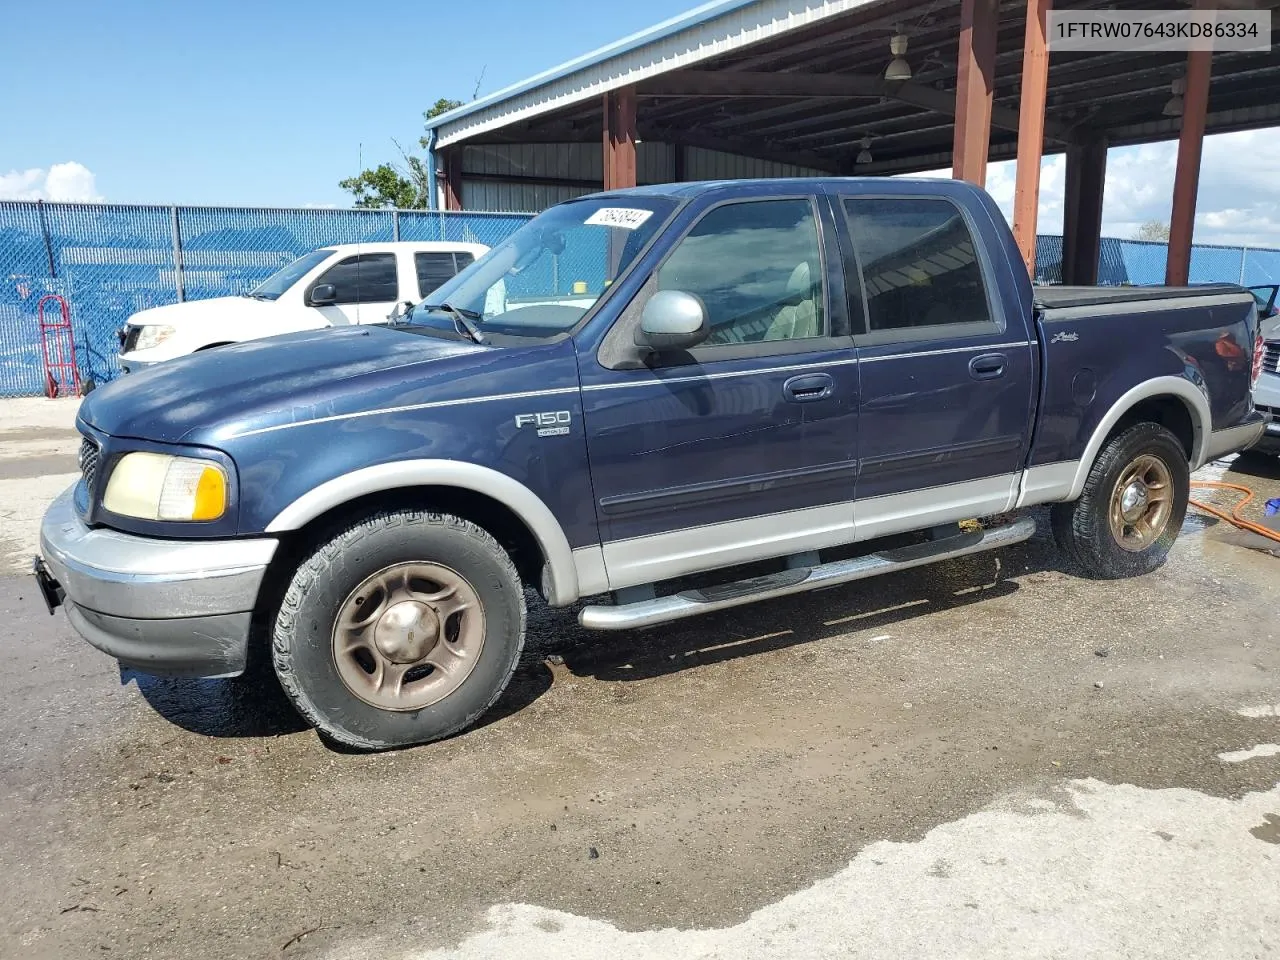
[[152, 335], [156, 486]]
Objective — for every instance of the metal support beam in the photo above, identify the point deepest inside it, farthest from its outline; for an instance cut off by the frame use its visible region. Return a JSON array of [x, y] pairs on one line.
[[1082, 214], [1035, 82], [620, 138], [975, 83], [1186, 177], [744, 147], [726, 85], [452, 178]]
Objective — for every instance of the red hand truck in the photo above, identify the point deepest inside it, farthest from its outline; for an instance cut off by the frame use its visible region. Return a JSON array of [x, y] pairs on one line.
[[61, 374]]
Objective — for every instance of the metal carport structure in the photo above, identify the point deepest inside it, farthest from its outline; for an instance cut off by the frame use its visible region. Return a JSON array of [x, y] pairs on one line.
[[800, 87]]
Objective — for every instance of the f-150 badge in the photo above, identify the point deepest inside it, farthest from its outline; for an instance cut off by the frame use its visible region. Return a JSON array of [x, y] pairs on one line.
[[550, 423]]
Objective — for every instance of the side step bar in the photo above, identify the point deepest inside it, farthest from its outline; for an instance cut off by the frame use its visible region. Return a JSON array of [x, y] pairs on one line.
[[690, 603]]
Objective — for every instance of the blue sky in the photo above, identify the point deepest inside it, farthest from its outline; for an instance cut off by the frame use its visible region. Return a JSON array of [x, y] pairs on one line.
[[267, 103]]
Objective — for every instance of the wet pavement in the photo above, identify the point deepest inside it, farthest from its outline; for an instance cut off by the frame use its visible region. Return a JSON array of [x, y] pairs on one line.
[[981, 758]]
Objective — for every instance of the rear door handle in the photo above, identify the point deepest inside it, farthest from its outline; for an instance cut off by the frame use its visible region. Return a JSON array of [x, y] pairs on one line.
[[987, 366], [808, 388]]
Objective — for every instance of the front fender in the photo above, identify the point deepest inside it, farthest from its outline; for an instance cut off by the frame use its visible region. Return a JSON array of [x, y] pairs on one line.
[[563, 585]]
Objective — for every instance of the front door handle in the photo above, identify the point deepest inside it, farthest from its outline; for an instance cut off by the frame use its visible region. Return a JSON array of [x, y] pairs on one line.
[[988, 366], [808, 388]]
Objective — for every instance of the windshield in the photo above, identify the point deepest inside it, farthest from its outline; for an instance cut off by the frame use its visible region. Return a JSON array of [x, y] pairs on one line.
[[544, 278], [284, 278]]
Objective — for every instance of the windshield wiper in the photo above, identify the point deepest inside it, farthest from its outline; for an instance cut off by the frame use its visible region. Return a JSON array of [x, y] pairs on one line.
[[254, 295], [462, 319]]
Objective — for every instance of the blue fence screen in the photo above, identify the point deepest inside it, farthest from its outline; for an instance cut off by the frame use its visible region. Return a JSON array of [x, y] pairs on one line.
[[110, 261]]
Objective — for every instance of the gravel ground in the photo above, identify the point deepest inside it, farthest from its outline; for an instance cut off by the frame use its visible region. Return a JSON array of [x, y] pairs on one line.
[[985, 758]]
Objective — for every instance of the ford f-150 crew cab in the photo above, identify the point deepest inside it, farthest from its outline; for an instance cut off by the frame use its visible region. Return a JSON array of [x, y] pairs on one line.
[[655, 402]]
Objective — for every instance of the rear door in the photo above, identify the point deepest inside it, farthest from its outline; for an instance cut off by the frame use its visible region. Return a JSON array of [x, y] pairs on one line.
[[946, 378], [367, 286], [742, 448]]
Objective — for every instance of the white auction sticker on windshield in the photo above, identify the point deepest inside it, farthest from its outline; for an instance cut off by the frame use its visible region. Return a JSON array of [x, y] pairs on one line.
[[628, 218]]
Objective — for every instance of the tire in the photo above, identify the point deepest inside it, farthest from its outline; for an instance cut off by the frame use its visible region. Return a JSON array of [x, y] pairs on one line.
[[397, 557], [1084, 529]]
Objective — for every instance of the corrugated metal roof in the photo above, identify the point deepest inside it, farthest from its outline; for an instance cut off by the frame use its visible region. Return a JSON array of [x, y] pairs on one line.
[[710, 30]]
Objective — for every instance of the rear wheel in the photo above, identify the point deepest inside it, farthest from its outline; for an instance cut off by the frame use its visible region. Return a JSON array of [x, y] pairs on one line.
[[1134, 500], [403, 628]]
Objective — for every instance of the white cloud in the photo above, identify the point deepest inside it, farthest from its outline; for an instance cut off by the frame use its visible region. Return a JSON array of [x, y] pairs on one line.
[[1238, 201], [69, 182]]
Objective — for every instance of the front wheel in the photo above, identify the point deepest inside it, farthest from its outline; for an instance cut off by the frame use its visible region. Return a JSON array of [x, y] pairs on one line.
[[403, 628], [1132, 506]]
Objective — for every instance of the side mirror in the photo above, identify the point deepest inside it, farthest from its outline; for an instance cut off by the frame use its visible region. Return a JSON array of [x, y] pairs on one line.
[[323, 295], [672, 320]]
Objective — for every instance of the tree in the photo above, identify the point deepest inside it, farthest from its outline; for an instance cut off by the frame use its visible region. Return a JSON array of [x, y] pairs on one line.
[[1154, 230], [406, 184]]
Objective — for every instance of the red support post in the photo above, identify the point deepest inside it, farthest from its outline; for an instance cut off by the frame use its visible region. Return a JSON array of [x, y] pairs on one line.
[[1186, 178], [453, 178], [975, 78], [620, 138], [1035, 83]]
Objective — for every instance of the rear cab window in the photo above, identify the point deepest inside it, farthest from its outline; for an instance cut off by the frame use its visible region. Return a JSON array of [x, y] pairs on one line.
[[437, 267], [919, 268]]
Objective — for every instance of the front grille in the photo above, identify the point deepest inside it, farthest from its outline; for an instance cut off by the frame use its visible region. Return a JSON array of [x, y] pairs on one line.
[[88, 463], [1271, 357]]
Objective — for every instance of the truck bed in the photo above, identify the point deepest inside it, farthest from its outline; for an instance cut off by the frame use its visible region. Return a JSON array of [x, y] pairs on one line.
[[1057, 297]]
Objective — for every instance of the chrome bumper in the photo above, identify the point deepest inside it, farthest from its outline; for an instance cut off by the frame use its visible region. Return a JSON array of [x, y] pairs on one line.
[[171, 607]]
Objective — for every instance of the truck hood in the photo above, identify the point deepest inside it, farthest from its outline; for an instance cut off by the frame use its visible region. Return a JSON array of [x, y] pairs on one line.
[[202, 311], [200, 397]]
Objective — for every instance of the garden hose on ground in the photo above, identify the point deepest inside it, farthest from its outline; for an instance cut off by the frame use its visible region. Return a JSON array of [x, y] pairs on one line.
[[1234, 516]]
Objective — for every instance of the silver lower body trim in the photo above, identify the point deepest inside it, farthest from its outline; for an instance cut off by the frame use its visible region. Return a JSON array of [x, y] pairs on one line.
[[663, 609], [1233, 439]]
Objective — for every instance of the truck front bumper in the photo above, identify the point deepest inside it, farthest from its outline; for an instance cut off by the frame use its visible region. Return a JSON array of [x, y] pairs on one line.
[[167, 607], [1267, 398]]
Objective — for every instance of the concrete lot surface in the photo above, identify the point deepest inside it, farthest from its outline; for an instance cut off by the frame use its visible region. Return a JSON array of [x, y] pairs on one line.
[[987, 758]]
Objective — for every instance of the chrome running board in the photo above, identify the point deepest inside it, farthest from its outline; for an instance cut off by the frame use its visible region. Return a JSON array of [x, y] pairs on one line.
[[691, 603]]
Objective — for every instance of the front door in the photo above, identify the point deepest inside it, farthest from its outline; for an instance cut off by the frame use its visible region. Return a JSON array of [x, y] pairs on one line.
[[365, 285], [947, 379], [743, 448]]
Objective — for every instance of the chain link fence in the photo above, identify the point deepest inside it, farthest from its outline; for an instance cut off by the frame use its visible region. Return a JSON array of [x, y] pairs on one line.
[[110, 261], [1142, 263]]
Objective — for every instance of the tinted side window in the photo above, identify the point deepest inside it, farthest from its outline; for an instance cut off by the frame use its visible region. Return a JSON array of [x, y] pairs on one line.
[[757, 267], [919, 264], [434, 269], [367, 278]]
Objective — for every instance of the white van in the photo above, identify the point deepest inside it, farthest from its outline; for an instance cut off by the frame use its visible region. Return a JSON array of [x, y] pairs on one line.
[[329, 287]]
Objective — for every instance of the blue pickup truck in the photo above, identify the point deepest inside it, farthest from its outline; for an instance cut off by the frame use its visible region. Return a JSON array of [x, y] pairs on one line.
[[654, 403]]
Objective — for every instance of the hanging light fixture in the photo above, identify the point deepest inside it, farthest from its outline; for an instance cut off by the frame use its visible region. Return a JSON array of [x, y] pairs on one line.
[[864, 155], [898, 69], [1173, 106]]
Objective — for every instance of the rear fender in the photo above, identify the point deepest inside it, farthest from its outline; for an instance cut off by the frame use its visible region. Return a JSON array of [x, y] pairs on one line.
[[1191, 396]]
